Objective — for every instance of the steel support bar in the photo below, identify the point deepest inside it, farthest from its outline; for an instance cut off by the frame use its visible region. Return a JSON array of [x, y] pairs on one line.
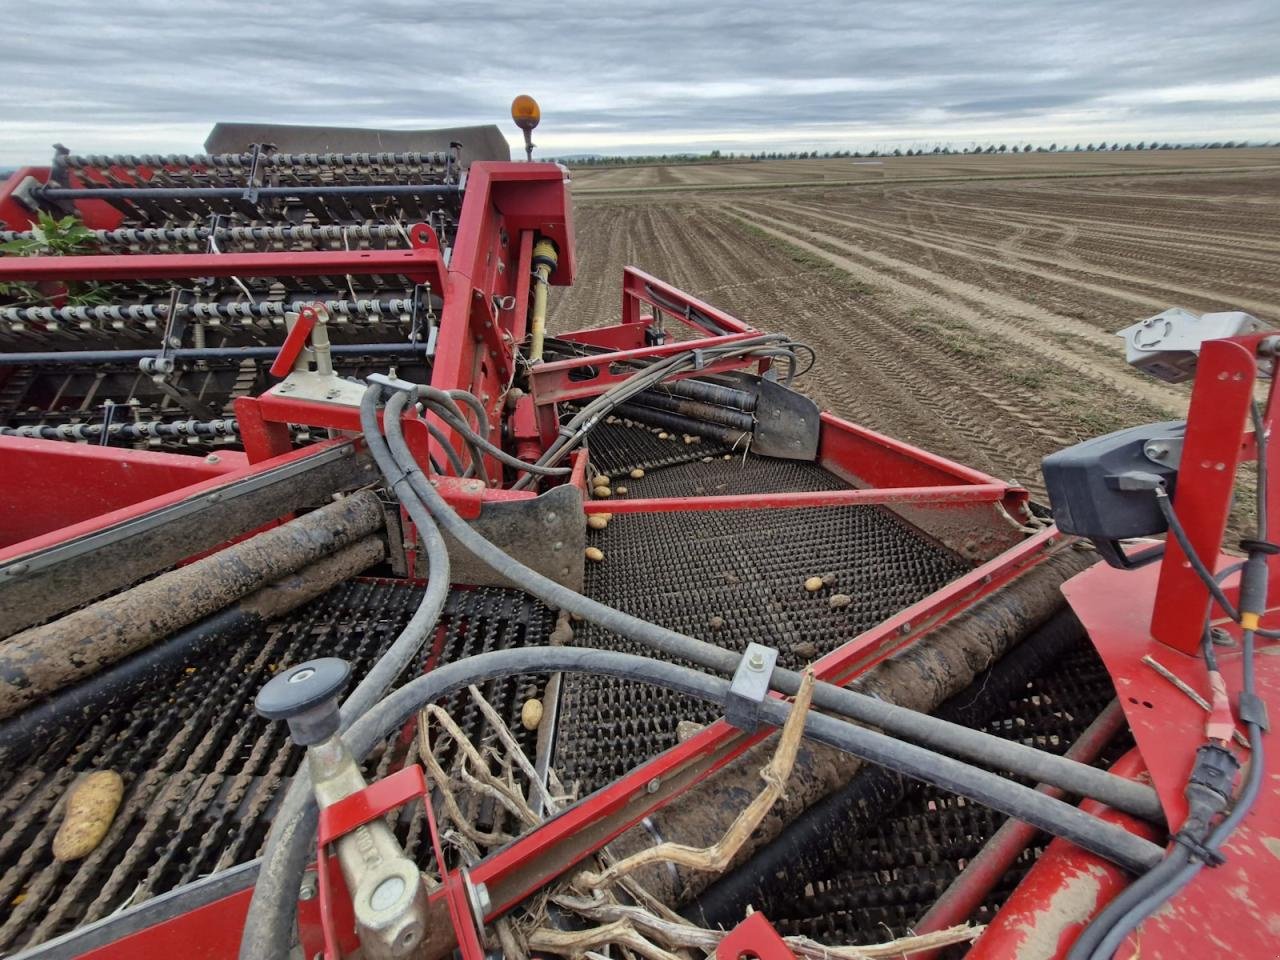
[[59, 194], [981, 493], [639, 287], [420, 264], [1214, 447], [592, 375], [78, 565], [227, 354]]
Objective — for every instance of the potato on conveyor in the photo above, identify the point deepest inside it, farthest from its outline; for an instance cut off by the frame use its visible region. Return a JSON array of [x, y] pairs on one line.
[[91, 805], [531, 714]]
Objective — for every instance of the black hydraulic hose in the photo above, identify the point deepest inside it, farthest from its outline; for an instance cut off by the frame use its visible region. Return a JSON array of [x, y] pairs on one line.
[[289, 845], [272, 900], [418, 630], [1144, 896], [1040, 767], [453, 418], [291, 842]]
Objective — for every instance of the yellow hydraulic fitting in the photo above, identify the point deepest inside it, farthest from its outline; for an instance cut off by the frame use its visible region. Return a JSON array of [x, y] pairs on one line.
[[545, 258]]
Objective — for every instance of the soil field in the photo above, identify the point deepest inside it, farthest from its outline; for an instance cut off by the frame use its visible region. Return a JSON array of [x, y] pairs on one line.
[[974, 318], [873, 170]]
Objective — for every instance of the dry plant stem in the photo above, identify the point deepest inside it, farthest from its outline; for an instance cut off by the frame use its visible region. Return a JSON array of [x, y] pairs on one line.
[[506, 794], [578, 943], [441, 780], [513, 748], [716, 857], [681, 933]]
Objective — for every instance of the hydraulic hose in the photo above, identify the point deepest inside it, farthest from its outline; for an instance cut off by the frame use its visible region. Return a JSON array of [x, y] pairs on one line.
[[416, 632], [297, 818], [268, 926], [1036, 765]]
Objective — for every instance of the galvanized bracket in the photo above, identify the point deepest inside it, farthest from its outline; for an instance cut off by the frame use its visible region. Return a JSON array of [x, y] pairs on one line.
[[750, 686]]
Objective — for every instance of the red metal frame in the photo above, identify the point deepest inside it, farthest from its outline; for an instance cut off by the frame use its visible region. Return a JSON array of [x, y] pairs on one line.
[[589, 376], [634, 293], [53, 491], [1066, 888], [754, 939], [1218, 439], [1156, 614], [981, 874]]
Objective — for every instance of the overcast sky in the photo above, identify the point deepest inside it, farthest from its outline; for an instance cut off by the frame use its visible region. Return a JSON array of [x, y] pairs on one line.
[[641, 77]]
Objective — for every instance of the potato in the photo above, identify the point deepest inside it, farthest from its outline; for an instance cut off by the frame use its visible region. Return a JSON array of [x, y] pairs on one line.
[[620, 490], [839, 600], [91, 805], [813, 584], [663, 435], [602, 493], [637, 473], [595, 553], [531, 714], [597, 521]]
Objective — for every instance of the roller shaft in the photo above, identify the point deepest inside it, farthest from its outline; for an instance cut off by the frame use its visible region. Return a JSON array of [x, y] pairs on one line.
[[43, 659]]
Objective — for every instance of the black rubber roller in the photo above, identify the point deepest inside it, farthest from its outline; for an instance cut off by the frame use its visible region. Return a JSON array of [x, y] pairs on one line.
[[306, 697]]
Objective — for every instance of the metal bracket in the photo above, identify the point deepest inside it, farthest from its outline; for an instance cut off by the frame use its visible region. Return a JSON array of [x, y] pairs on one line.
[[750, 686]]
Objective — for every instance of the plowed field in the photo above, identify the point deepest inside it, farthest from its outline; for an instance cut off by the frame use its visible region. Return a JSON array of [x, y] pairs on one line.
[[974, 317]]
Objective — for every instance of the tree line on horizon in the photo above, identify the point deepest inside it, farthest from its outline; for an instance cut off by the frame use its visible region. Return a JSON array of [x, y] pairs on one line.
[[597, 160]]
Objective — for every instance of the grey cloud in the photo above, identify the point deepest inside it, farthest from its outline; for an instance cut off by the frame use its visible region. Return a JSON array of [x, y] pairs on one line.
[[634, 77]]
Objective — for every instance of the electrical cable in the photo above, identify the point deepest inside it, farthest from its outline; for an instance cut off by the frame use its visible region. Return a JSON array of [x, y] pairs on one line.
[[1075, 778]]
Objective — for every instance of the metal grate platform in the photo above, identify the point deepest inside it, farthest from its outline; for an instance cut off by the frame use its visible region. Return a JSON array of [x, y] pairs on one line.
[[202, 772], [731, 577]]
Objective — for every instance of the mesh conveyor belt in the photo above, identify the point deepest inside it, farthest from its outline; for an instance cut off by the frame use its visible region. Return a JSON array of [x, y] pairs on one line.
[[616, 449], [895, 868], [745, 566], [202, 771]]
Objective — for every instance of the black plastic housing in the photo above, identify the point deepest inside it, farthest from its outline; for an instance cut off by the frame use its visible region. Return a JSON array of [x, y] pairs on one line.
[[1103, 488]]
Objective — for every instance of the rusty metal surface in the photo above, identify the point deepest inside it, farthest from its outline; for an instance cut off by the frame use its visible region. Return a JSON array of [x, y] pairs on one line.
[[547, 533], [43, 659], [66, 578]]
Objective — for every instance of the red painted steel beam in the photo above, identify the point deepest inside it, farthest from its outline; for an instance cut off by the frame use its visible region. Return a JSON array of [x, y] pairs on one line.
[[986, 492], [636, 285], [420, 264], [553, 383], [1065, 889], [1216, 443]]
